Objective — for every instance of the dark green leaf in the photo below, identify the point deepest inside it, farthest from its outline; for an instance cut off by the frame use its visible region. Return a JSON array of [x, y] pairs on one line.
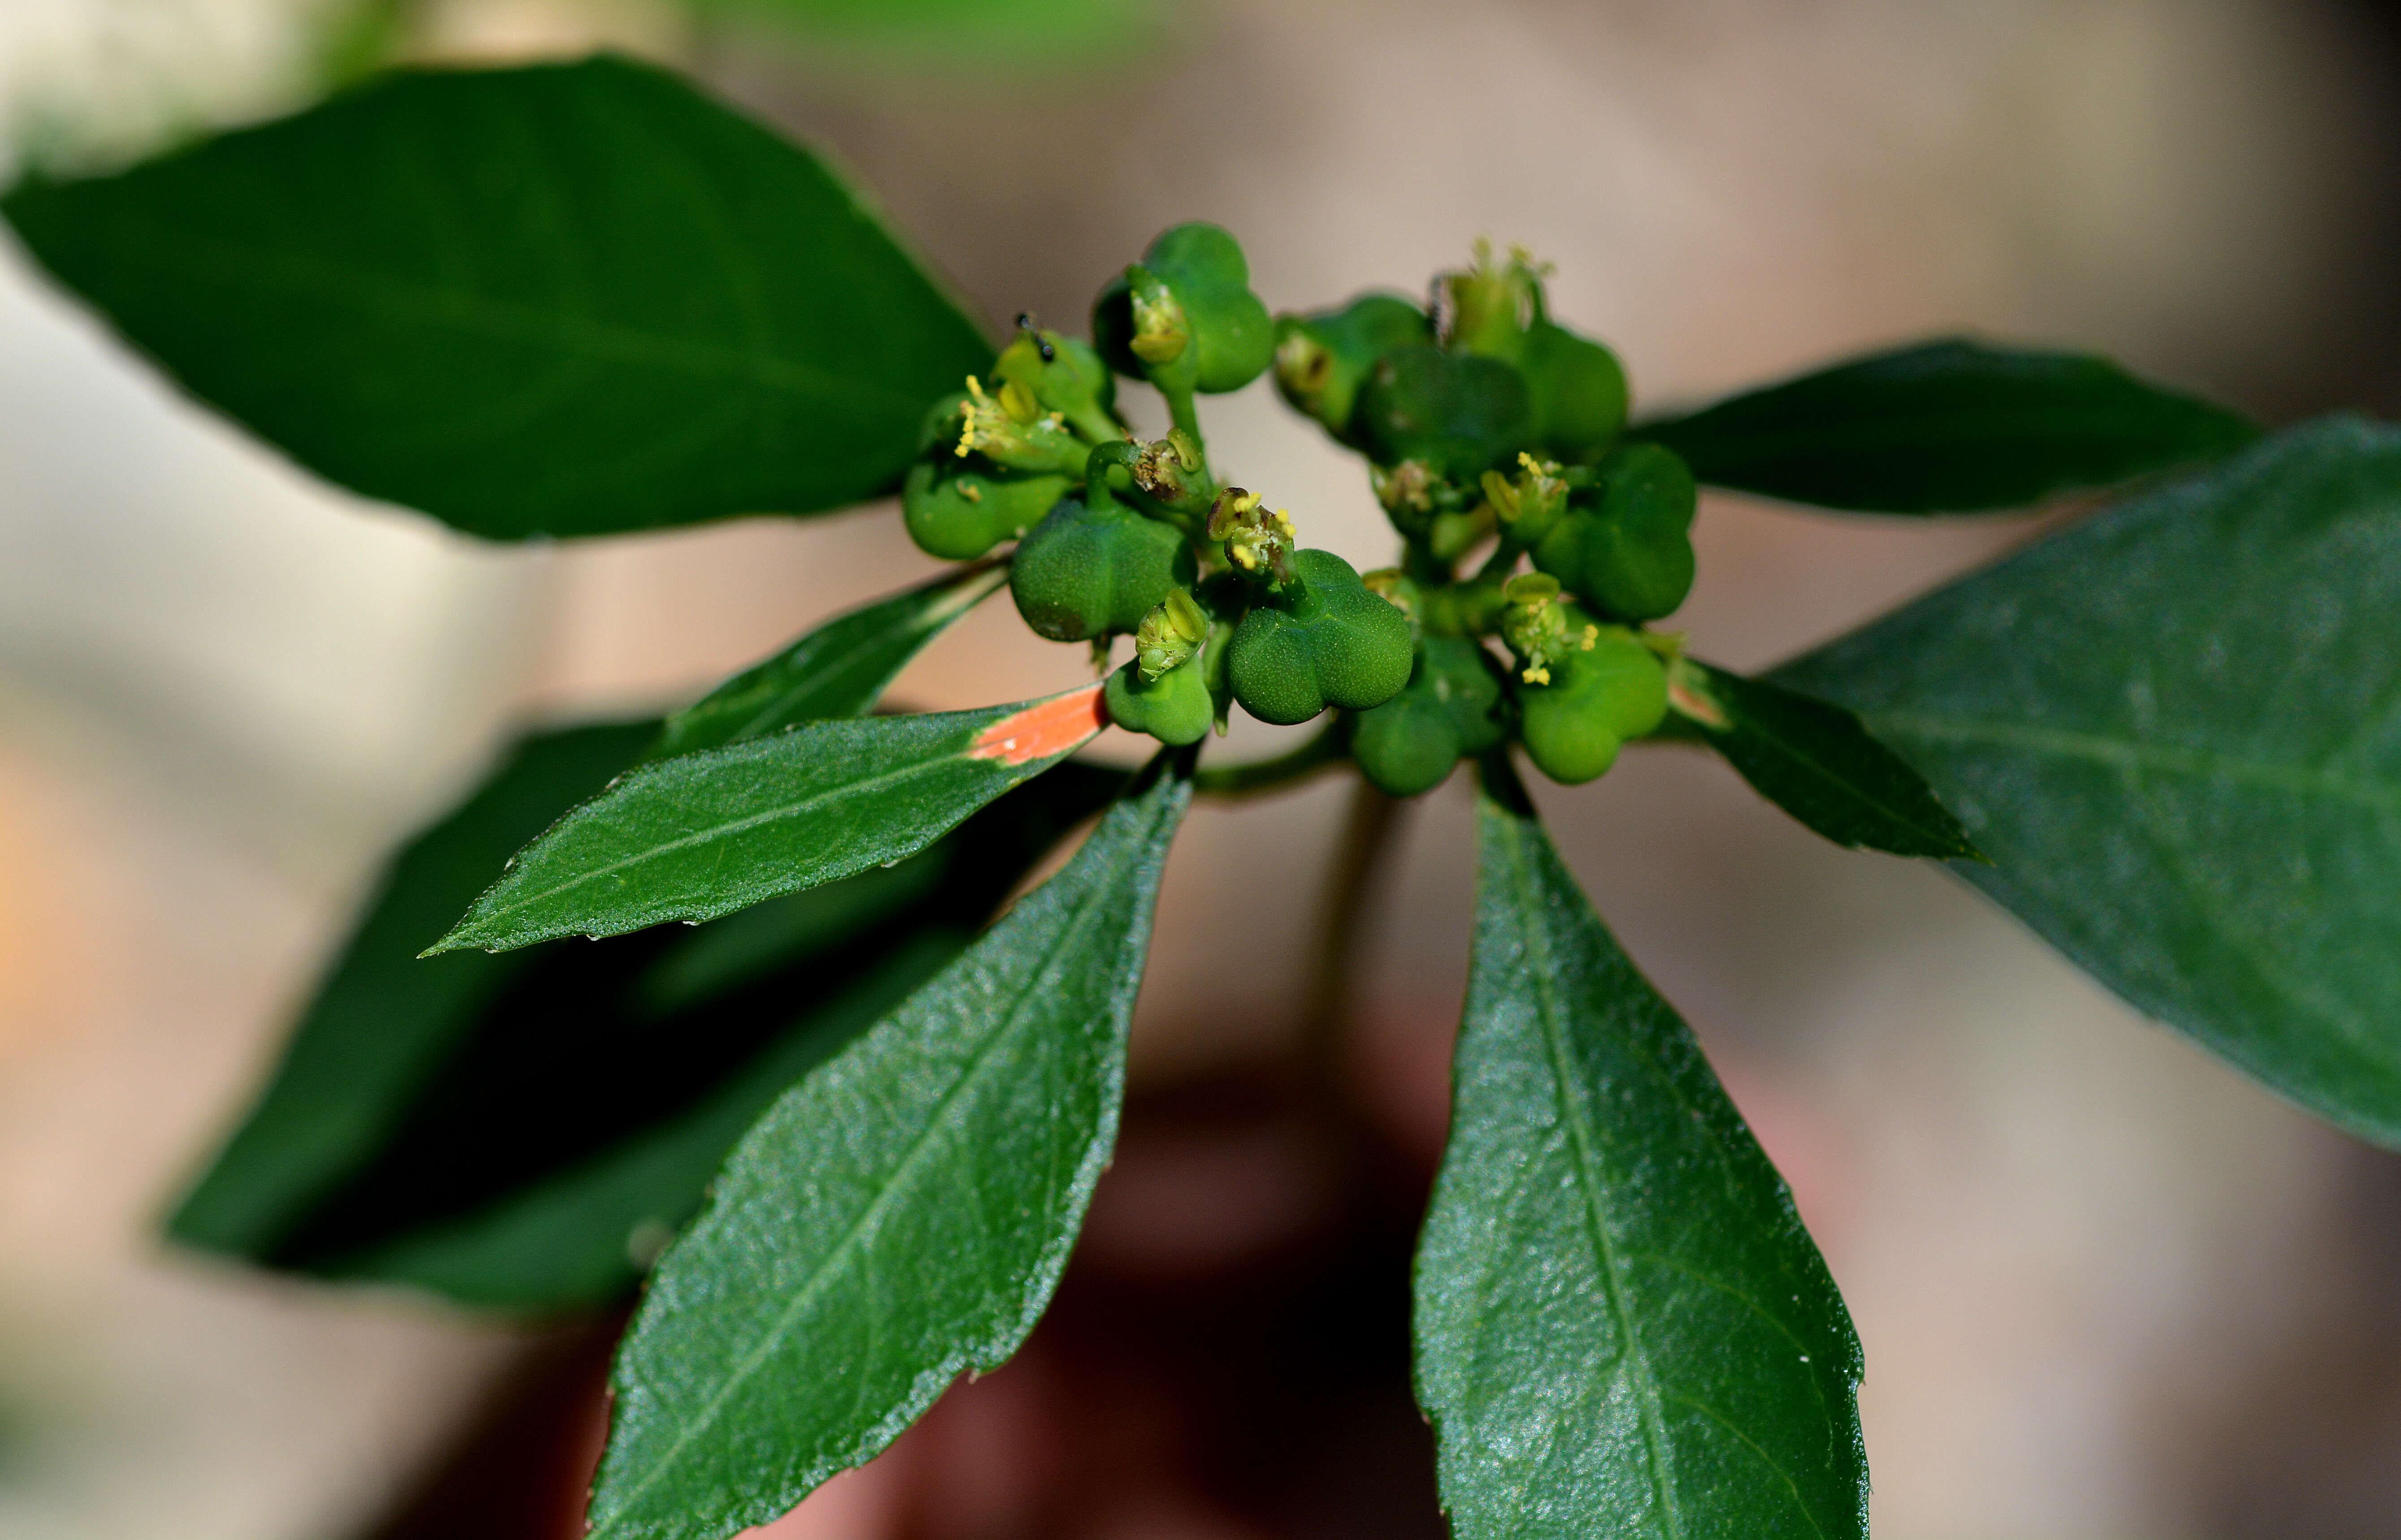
[[1622, 1327], [899, 1216], [1949, 426], [570, 1127], [1816, 762], [383, 1018], [2176, 729], [837, 670], [569, 299], [703, 835]]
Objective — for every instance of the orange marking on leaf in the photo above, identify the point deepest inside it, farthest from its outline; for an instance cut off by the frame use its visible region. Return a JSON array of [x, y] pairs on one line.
[[1043, 730]]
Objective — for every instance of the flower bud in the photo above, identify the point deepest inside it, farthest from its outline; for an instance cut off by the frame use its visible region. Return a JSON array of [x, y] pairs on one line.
[[1170, 634], [1487, 309]]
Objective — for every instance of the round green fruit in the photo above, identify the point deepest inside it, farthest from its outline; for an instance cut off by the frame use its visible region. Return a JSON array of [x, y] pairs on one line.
[[1174, 707], [1627, 548], [1322, 358], [1202, 271], [1087, 571], [1578, 390], [1457, 414], [959, 515], [1324, 640], [1449, 710], [1597, 700]]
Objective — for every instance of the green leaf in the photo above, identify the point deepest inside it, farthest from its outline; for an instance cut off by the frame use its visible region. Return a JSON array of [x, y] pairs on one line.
[[382, 1018], [837, 670], [1816, 762], [703, 835], [1622, 1327], [899, 1216], [2176, 730], [569, 299], [516, 1174], [1044, 36], [1949, 426]]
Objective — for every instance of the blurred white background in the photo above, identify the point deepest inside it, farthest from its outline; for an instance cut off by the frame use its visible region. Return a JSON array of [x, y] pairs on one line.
[[2106, 1287]]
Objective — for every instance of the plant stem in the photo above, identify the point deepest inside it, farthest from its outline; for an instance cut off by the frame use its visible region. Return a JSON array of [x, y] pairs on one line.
[[1242, 780], [1330, 1003]]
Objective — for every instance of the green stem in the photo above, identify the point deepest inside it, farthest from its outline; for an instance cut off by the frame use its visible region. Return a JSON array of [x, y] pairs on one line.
[[1329, 1008], [1183, 415], [1116, 453], [1243, 780]]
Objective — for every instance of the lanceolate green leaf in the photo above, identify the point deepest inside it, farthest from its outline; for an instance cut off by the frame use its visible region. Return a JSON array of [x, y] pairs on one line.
[[1816, 762], [1622, 1327], [1949, 426], [900, 1216], [703, 835], [383, 1019], [569, 299], [573, 1127], [837, 670], [2176, 730]]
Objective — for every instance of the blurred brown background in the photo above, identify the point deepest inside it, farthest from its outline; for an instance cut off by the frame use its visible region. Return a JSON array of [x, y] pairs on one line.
[[2106, 1287]]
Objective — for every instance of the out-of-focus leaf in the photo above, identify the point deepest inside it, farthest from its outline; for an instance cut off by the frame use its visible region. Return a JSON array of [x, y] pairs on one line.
[[1622, 1327], [1949, 426], [899, 1216], [1027, 37], [2176, 729], [703, 835], [559, 1143], [569, 299], [1816, 762]]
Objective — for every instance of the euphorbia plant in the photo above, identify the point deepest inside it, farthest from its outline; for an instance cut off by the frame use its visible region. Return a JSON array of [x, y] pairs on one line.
[[846, 1131]]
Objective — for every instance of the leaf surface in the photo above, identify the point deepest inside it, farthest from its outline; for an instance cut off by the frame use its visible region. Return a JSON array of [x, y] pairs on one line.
[[1816, 762], [839, 670], [1949, 426], [1622, 1327], [2176, 729], [703, 835], [900, 1216], [569, 299]]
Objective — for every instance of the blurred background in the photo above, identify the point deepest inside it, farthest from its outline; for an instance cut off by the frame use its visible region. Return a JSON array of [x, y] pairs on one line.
[[2106, 1287]]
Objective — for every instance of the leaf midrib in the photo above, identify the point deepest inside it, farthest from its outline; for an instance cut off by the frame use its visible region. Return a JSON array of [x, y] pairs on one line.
[[935, 1124], [1536, 921], [1942, 839], [2142, 756]]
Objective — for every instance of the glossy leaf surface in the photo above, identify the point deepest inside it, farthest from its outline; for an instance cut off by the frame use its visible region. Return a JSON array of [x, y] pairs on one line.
[[569, 1128], [1622, 1327], [1815, 761], [567, 299], [900, 1216], [2176, 729], [1949, 426], [838, 669], [703, 835]]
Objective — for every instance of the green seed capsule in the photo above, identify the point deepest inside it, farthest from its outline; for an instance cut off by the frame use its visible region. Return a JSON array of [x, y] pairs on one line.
[[1597, 700], [1322, 640], [1457, 413], [1449, 710], [1184, 317], [1174, 707], [1578, 390], [959, 515], [1322, 358], [1629, 552], [1086, 572]]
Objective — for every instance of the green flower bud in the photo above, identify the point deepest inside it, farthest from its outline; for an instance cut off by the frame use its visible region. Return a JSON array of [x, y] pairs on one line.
[[1174, 707], [1183, 317], [1457, 413], [1598, 698], [1170, 634], [1529, 503], [1009, 428], [1630, 552], [1449, 710], [1324, 358], [1090, 571], [959, 515], [1063, 376], [1578, 390], [1323, 639], [1487, 309]]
